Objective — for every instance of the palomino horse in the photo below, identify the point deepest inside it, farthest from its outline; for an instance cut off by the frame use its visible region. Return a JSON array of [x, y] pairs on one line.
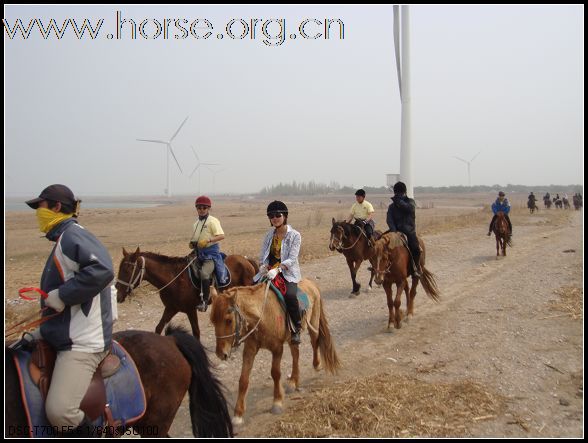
[[170, 276], [253, 315], [390, 263], [351, 241], [502, 233], [169, 367]]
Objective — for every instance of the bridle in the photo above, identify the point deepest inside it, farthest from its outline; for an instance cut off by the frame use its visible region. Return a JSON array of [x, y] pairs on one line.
[[241, 322], [342, 237], [134, 281]]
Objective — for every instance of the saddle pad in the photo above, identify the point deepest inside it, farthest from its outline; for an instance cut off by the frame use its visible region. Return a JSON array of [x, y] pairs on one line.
[[303, 301], [124, 393], [196, 281]]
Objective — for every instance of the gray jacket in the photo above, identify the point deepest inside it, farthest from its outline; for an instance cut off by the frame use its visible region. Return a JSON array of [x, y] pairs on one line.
[[288, 256]]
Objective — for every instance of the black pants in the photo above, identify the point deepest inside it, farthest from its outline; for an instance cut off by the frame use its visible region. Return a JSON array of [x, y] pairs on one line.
[[494, 219], [413, 245], [292, 304]]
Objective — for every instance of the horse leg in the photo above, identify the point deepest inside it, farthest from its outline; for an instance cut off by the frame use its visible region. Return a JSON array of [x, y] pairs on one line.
[[353, 272], [410, 297], [388, 289], [277, 407], [249, 353], [168, 314], [294, 380], [193, 317], [504, 247], [371, 280], [497, 247], [398, 302]]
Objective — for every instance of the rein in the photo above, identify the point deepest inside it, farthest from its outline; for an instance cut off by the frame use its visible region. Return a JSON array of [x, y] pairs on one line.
[[344, 248]]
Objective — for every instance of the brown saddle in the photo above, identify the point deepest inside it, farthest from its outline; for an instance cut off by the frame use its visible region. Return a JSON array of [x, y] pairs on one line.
[[93, 404]]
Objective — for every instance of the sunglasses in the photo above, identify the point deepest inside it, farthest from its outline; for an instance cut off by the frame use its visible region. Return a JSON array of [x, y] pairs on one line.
[[201, 207], [274, 215]]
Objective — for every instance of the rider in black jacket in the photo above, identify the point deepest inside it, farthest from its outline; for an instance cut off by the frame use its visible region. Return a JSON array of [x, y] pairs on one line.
[[401, 217]]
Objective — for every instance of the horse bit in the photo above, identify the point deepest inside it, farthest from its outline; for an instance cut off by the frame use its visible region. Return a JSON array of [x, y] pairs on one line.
[[133, 283]]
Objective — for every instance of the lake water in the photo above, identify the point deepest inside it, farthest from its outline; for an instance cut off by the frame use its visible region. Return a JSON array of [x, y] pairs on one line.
[[21, 206]]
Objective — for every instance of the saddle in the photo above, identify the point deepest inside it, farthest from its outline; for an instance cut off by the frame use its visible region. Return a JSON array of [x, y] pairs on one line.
[[278, 285], [114, 398], [194, 268], [41, 367]]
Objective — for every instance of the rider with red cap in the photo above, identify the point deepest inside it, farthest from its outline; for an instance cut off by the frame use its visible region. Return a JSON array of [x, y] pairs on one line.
[[205, 240]]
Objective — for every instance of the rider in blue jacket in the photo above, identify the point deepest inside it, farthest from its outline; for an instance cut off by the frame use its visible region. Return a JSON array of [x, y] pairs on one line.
[[501, 204]]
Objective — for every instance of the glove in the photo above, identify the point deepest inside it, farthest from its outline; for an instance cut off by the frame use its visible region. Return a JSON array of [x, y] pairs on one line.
[[263, 269], [202, 243], [27, 340], [53, 301], [192, 245], [271, 274]]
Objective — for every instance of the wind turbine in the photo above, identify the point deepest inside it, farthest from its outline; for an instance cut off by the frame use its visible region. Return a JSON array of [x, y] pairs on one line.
[[198, 164], [169, 151], [468, 163], [214, 178]]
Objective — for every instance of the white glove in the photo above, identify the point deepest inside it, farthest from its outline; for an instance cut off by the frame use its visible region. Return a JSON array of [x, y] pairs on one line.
[[53, 301], [271, 274], [263, 269]]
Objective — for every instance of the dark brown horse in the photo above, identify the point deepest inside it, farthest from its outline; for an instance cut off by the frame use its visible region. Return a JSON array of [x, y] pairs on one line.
[[532, 205], [502, 233], [169, 275], [352, 242], [169, 367], [390, 263]]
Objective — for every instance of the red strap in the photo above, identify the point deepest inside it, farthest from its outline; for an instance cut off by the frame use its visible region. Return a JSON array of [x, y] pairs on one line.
[[21, 291]]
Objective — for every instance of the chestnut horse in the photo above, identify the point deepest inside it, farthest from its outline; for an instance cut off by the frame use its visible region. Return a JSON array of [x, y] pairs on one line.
[[390, 263], [350, 240], [169, 367], [170, 276], [502, 233], [253, 315]]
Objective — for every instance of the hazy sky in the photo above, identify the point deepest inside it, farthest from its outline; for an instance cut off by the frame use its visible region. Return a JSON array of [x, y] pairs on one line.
[[504, 80]]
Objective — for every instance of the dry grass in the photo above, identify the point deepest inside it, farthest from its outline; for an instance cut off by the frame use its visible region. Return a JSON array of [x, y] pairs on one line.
[[571, 301], [386, 405]]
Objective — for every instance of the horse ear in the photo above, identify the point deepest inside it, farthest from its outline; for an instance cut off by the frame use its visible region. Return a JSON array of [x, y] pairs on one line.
[[334, 221], [125, 253], [138, 250]]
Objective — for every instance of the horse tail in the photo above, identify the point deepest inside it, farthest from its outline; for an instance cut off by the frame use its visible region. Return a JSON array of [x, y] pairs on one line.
[[325, 343], [508, 241], [254, 263], [208, 406], [430, 284]]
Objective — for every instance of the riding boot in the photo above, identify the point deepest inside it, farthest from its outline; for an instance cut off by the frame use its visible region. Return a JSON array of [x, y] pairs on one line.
[[294, 313], [204, 294]]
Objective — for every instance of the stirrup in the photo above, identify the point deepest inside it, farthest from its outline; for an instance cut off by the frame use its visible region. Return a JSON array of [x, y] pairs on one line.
[[202, 306], [295, 340]]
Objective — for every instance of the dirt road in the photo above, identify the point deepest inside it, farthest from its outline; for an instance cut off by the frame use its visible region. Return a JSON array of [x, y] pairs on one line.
[[494, 326]]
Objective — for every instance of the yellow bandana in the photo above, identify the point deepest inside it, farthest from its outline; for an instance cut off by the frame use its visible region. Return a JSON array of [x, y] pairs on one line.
[[48, 219]]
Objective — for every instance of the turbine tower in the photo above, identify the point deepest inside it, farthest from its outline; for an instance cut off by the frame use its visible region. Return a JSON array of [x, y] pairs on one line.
[[468, 163], [403, 71], [169, 151], [198, 164], [214, 177]]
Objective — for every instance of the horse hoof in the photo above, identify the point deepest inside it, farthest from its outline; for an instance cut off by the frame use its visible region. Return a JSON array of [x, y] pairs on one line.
[[290, 387], [354, 294], [237, 421], [369, 289], [277, 409]]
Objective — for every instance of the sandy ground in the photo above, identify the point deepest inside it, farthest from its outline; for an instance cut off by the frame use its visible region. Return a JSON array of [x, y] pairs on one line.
[[495, 325]]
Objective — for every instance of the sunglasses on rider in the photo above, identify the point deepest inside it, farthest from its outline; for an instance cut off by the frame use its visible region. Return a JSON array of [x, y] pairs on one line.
[[201, 207], [274, 215]]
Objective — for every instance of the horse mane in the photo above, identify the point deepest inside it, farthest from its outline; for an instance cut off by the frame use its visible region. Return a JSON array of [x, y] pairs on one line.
[[165, 258], [223, 298]]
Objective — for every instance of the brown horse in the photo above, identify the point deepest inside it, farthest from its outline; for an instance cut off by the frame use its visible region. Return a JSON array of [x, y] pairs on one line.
[[169, 367], [170, 276], [502, 233], [351, 241], [253, 315], [390, 263]]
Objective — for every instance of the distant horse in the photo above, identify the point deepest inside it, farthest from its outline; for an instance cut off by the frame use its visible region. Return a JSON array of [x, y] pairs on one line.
[[577, 200], [547, 202], [532, 205], [558, 203], [352, 242], [502, 233], [566, 203], [169, 367], [390, 263], [170, 277], [254, 315]]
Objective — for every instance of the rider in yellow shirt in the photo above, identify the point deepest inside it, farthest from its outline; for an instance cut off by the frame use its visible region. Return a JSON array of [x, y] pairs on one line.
[[363, 212]]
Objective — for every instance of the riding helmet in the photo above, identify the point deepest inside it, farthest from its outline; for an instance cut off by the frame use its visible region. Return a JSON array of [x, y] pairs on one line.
[[501, 194], [277, 206], [203, 200], [360, 192], [399, 188]]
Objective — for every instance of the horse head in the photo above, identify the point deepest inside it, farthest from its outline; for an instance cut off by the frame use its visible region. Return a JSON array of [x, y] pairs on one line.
[[337, 236], [380, 261], [227, 321], [130, 274]]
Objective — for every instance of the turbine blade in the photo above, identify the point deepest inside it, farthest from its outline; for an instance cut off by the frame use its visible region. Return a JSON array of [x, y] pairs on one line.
[[465, 161], [174, 156], [194, 151], [192, 173], [210, 164], [152, 141], [174, 136], [475, 156]]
